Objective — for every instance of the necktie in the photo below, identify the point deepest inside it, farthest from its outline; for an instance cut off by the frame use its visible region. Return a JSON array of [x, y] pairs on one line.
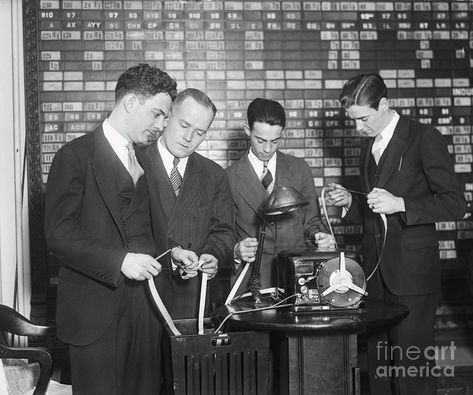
[[134, 167], [266, 177], [376, 149], [175, 177]]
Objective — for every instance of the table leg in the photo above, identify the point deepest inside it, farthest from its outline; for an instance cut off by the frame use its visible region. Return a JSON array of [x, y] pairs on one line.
[[322, 364]]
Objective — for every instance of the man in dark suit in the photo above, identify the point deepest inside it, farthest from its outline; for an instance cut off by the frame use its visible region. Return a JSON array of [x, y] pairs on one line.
[[195, 195], [99, 225], [408, 177], [251, 180]]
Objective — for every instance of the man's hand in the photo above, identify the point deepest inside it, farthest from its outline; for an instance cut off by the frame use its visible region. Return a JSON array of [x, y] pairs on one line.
[[187, 261], [208, 264], [140, 267], [338, 196], [245, 250], [324, 240], [383, 202]]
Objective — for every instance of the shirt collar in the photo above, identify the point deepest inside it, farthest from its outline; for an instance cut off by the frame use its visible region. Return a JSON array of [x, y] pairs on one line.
[[258, 165], [387, 133], [168, 158], [116, 140]]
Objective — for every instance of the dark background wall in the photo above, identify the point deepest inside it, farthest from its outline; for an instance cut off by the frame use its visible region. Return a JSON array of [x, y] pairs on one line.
[[297, 52]]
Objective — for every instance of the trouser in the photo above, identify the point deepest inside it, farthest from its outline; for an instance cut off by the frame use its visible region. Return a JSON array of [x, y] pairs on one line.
[[401, 358], [126, 359]]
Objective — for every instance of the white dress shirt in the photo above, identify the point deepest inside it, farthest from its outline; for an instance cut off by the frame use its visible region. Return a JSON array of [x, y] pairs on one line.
[[258, 167], [168, 158], [117, 141], [385, 135], [381, 144]]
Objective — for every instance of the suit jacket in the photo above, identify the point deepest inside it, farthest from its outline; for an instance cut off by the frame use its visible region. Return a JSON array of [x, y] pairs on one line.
[[292, 230], [199, 219], [416, 166], [84, 230]]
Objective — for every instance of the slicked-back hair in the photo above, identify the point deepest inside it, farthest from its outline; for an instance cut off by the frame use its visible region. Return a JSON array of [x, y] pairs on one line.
[[145, 81], [266, 111], [199, 96], [363, 90]]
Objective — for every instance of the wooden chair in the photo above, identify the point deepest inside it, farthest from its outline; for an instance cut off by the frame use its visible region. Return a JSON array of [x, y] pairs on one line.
[[12, 322]]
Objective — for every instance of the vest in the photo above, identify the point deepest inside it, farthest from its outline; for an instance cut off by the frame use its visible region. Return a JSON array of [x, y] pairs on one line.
[[135, 212], [372, 172]]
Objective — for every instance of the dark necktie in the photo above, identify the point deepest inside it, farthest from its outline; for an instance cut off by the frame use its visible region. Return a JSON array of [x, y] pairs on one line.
[[134, 167], [175, 177], [266, 177]]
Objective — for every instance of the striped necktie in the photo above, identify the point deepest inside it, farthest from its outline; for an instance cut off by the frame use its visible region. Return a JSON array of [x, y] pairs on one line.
[[266, 176], [175, 177], [134, 167]]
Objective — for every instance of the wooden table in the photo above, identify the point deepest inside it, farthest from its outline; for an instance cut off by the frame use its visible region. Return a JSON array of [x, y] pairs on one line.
[[313, 352]]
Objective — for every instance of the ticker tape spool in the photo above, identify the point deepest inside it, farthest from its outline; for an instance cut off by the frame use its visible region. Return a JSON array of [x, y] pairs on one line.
[[341, 281]]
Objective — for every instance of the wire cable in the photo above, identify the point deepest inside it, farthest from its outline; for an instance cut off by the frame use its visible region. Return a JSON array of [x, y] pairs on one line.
[[327, 219], [380, 254], [324, 207], [277, 305]]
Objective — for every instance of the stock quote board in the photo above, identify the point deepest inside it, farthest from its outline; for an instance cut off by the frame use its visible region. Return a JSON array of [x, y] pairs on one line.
[[299, 53]]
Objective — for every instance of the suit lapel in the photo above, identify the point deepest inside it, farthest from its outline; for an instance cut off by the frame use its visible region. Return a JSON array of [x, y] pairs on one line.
[[284, 172], [249, 186], [392, 156], [156, 172], [364, 161], [191, 186], [104, 169]]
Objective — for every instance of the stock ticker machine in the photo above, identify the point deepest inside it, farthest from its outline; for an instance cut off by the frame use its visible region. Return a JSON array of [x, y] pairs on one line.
[[318, 279], [313, 279], [321, 279]]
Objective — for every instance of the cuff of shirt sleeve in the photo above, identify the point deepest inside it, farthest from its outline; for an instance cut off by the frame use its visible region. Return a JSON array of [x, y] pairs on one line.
[[235, 258]]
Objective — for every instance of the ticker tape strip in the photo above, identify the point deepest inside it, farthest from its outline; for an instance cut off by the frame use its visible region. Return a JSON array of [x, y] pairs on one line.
[[237, 284], [164, 312], [203, 294]]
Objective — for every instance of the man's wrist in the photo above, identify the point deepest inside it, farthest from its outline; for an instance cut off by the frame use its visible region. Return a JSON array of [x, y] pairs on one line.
[[235, 255], [173, 264], [350, 201], [401, 205]]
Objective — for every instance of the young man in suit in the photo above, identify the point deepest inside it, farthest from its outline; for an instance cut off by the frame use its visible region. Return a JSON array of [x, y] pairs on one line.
[[195, 196], [254, 176], [408, 177], [99, 225]]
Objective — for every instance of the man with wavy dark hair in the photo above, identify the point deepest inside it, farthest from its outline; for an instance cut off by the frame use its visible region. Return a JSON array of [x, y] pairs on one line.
[[407, 174], [97, 223]]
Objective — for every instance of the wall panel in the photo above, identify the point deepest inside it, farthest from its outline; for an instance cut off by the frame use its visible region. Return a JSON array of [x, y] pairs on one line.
[[297, 52]]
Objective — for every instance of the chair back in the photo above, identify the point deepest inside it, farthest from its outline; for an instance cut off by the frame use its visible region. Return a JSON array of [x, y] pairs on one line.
[[12, 322]]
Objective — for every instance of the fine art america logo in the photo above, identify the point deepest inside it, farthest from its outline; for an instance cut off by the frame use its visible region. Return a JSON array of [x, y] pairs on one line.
[[416, 362]]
